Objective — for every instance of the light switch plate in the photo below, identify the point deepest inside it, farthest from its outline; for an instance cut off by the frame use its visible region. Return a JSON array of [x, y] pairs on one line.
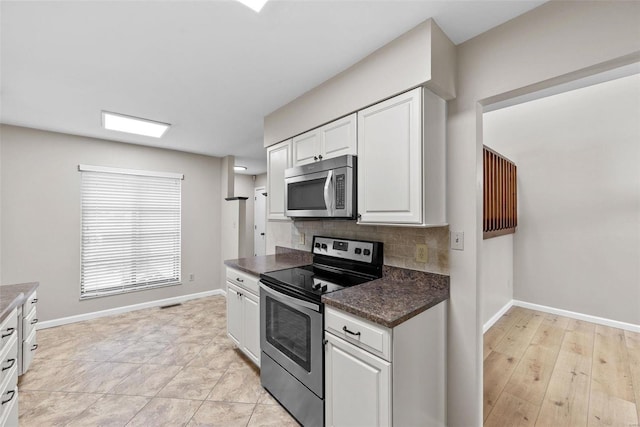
[[301, 239], [457, 240]]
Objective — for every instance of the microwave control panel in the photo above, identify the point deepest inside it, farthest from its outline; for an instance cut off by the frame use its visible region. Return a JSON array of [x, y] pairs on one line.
[[340, 191]]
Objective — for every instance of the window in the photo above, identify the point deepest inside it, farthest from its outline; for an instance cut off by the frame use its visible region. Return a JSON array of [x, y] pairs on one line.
[[500, 213], [131, 223]]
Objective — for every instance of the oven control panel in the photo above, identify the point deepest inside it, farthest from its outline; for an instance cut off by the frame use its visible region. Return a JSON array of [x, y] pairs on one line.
[[342, 248]]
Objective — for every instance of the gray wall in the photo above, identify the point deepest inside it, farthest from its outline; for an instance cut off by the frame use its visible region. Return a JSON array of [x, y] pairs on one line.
[[496, 279], [577, 246], [244, 185], [422, 56], [41, 215]]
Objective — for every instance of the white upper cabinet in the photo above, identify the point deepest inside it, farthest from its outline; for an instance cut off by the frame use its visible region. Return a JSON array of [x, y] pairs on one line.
[[278, 159], [331, 140], [401, 161]]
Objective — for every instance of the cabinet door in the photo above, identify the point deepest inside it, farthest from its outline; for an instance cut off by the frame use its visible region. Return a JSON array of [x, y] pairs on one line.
[[278, 159], [234, 313], [358, 386], [339, 137], [390, 161], [29, 346], [251, 327], [306, 147]]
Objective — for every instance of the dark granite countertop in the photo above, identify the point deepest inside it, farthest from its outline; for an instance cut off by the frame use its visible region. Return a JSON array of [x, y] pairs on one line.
[[398, 296], [284, 258], [12, 296]]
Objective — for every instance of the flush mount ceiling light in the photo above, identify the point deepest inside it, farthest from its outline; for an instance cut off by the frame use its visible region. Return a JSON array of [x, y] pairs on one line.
[[239, 168], [256, 5], [135, 125]]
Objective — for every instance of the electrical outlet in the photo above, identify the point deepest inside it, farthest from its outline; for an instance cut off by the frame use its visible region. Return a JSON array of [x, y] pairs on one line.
[[422, 253], [301, 239], [457, 240], [192, 277]]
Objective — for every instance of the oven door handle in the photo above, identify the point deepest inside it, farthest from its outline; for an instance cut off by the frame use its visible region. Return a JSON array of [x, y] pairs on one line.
[[329, 193], [289, 300]]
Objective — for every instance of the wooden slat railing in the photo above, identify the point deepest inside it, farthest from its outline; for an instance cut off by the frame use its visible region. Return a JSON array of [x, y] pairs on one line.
[[500, 211]]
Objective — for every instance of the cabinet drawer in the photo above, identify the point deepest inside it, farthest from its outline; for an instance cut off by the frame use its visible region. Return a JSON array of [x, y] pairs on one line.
[[367, 335], [9, 394], [9, 411], [243, 280], [29, 347], [29, 323], [9, 327], [8, 358], [30, 303]]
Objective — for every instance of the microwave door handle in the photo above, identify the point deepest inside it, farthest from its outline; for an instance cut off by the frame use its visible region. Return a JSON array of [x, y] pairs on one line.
[[328, 193]]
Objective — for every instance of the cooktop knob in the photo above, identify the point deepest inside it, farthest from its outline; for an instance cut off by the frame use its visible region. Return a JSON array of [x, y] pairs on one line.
[[367, 252], [324, 246], [358, 251], [316, 286], [317, 245], [324, 288]]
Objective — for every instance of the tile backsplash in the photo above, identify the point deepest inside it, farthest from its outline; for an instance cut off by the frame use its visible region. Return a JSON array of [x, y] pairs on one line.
[[399, 242]]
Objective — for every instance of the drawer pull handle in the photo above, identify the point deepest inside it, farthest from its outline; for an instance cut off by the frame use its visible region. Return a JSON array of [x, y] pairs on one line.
[[34, 347], [13, 362], [357, 334], [9, 332], [34, 321], [239, 280], [35, 300], [12, 393]]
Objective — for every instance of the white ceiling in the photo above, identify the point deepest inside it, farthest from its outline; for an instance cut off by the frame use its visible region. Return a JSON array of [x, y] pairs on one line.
[[213, 69]]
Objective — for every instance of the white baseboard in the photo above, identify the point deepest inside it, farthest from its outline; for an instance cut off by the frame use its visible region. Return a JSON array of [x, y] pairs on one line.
[[579, 316], [126, 309], [496, 316]]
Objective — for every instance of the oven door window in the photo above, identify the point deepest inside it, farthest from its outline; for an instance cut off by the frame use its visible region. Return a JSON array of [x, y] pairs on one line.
[[306, 195], [289, 331]]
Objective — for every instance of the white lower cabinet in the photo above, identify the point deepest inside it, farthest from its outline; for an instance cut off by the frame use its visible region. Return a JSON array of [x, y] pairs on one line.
[[251, 322], [234, 313], [243, 313], [357, 384], [376, 376], [28, 318]]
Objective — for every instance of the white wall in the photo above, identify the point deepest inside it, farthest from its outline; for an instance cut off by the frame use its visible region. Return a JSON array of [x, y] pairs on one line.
[[41, 215], [577, 246]]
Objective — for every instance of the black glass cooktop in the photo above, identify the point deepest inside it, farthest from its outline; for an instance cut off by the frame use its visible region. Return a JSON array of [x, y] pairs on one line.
[[313, 281]]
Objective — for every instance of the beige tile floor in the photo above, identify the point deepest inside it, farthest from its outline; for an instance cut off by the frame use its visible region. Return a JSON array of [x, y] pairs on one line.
[[153, 367]]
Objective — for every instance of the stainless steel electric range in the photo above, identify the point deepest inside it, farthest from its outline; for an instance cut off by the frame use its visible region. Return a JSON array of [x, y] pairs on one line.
[[292, 321]]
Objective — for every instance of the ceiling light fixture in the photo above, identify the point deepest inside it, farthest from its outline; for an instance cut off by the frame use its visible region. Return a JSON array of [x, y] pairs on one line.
[[135, 125], [256, 5], [239, 168]]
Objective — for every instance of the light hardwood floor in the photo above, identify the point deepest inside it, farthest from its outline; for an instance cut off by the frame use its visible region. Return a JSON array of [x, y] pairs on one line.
[[151, 367], [546, 370]]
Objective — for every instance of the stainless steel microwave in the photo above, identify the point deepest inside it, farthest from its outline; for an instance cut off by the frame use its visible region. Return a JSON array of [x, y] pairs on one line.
[[324, 189]]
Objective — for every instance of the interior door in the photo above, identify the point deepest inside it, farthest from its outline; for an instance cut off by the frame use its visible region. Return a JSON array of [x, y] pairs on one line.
[[259, 221]]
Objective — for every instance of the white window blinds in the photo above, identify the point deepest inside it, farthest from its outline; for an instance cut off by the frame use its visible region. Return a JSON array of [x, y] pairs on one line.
[[131, 224]]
